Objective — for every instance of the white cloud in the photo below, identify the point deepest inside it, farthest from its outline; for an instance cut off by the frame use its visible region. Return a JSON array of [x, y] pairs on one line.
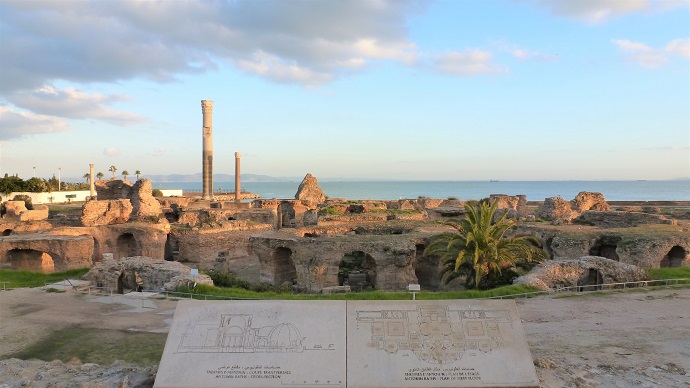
[[595, 11], [104, 41], [111, 151], [275, 69], [640, 53], [523, 54], [15, 124], [679, 47], [469, 62], [74, 104]]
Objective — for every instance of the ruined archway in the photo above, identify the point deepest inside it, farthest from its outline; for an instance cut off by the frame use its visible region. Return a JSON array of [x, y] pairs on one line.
[[285, 270], [427, 269], [286, 215], [30, 260], [172, 248], [605, 246], [591, 280], [674, 258], [126, 246], [96, 256], [7, 232], [358, 270]]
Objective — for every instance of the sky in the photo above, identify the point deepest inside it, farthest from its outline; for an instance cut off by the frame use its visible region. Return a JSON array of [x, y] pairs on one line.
[[375, 89]]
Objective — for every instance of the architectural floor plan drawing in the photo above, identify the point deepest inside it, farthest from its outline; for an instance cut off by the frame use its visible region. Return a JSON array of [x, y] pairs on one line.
[[436, 334], [437, 343]]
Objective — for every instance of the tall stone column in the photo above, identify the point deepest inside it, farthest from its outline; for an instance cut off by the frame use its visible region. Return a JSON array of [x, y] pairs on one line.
[[207, 156], [238, 193], [92, 185]]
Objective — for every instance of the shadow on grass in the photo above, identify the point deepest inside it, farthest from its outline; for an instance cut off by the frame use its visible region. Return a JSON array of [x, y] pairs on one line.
[[98, 346]]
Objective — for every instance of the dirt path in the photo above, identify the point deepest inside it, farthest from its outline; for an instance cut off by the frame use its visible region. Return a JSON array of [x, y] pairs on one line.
[[631, 339]]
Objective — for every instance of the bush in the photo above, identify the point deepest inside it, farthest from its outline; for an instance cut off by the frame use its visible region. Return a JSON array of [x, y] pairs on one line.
[[228, 280], [157, 193]]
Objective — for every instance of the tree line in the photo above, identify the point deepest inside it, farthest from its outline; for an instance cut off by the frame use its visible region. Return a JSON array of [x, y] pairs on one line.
[[13, 183]]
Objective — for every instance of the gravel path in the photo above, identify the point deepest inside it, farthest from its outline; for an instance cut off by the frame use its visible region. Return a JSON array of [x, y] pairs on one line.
[[630, 339]]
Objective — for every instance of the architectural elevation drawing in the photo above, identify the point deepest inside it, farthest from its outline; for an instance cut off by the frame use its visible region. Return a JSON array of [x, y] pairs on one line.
[[235, 334]]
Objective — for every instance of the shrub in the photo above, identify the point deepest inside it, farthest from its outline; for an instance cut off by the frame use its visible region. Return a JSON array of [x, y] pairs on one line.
[[157, 193]]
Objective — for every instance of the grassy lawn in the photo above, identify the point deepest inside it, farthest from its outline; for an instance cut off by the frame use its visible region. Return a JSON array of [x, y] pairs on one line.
[[24, 279], [204, 291], [669, 273]]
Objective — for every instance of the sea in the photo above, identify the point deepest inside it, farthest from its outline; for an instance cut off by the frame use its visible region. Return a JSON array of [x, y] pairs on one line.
[[674, 190]]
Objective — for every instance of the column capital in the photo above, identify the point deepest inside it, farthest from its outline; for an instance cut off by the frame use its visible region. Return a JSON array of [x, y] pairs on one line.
[[238, 155], [207, 106]]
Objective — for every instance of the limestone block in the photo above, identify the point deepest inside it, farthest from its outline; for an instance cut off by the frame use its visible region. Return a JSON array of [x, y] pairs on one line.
[[586, 200], [109, 212], [40, 213], [554, 209], [143, 203], [13, 209]]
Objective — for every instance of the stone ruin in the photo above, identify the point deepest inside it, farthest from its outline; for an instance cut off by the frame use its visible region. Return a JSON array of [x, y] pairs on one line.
[[119, 201], [313, 243], [142, 273], [558, 210], [586, 273], [17, 211], [309, 191]]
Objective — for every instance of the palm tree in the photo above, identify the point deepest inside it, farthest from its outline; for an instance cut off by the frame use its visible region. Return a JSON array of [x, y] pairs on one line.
[[480, 247], [124, 174], [87, 176], [99, 175], [137, 173], [113, 169]]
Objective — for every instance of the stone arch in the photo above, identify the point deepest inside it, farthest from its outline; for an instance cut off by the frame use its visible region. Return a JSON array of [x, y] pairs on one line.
[[285, 270], [96, 257], [126, 246], [358, 270], [590, 280], [547, 247], [30, 260], [286, 215], [172, 248], [426, 268], [674, 258], [605, 246], [7, 232]]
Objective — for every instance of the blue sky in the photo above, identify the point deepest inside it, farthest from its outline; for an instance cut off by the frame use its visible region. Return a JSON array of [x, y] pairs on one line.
[[439, 90]]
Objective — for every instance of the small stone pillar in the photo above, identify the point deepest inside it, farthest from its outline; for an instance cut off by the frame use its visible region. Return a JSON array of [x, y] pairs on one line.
[[238, 193], [207, 155], [92, 185]]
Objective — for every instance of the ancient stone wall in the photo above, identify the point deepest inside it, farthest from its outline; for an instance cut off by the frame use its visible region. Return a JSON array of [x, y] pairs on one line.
[[514, 205], [143, 202], [586, 272], [314, 263], [645, 250], [113, 189], [106, 212], [621, 219], [130, 273], [36, 252], [203, 247]]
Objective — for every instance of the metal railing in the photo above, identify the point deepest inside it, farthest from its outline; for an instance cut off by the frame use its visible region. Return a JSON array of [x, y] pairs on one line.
[[600, 287]]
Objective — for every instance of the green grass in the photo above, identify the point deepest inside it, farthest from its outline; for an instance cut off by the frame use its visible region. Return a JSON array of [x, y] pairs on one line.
[[365, 295], [23, 279], [99, 346], [669, 273]]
